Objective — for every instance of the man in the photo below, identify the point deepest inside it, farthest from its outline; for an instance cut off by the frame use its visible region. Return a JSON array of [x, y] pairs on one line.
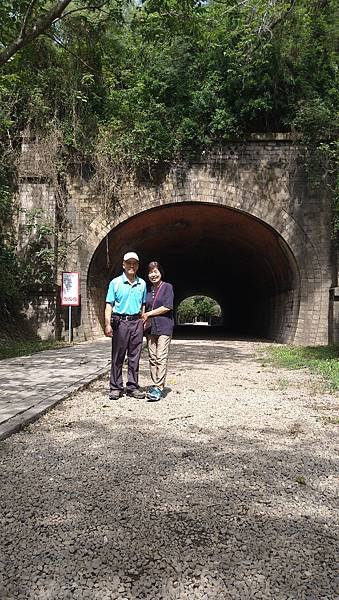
[[125, 302]]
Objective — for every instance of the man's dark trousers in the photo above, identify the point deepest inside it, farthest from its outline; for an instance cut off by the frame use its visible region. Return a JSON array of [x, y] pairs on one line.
[[128, 337]]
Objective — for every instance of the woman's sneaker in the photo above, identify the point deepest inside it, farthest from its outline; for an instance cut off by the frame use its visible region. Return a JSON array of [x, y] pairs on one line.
[[154, 394]]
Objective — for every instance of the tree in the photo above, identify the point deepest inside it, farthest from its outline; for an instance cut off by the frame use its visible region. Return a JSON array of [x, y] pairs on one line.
[[29, 23], [206, 308], [32, 18], [126, 85], [186, 312], [201, 308]]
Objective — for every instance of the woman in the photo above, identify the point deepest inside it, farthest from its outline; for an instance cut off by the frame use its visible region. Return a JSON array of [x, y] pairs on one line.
[[158, 323]]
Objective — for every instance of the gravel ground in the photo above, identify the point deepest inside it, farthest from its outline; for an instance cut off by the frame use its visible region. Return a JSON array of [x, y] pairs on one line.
[[225, 489]]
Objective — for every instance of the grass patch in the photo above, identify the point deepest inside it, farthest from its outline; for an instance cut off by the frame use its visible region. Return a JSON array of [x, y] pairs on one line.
[[327, 420], [12, 348], [323, 360]]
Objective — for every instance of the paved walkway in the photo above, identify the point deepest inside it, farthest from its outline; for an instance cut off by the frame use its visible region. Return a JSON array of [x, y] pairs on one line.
[[30, 385]]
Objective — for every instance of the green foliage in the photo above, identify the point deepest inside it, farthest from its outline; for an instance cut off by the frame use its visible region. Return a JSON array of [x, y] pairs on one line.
[[199, 308], [186, 311], [9, 266], [319, 359], [37, 262], [152, 80], [10, 276], [29, 270], [134, 84]]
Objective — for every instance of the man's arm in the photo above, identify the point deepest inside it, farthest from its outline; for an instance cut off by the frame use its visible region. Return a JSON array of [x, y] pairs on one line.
[[108, 314]]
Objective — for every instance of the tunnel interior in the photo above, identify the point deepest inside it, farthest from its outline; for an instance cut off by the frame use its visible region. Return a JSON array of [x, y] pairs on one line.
[[209, 250]]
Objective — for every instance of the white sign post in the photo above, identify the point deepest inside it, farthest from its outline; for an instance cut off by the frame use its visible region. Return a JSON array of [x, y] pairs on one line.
[[70, 295]]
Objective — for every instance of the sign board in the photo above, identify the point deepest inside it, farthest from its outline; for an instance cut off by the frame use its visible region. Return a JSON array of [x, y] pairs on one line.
[[70, 289]]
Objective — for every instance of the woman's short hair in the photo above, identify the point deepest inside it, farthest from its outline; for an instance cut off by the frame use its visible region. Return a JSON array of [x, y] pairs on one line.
[[155, 265]]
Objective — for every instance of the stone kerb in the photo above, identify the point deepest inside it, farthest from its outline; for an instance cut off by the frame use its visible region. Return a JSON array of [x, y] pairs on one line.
[[251, 202]]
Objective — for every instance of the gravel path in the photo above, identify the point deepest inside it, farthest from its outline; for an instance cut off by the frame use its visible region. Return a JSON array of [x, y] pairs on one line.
[[226, 489]]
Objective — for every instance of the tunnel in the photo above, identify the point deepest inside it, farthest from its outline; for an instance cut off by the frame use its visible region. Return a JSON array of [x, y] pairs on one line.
[[211, 250]]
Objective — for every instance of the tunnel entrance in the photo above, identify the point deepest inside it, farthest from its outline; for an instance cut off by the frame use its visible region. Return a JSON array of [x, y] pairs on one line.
[[223, 253]]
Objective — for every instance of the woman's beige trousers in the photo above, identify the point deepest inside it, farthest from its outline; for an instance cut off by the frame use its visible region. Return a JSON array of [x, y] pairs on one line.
[[158, 349]]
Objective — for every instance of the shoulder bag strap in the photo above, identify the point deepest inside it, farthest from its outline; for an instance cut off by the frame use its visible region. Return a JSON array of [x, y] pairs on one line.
[[157, 292]]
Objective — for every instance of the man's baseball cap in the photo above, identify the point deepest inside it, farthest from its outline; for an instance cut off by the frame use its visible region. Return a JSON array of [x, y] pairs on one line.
[[129, 255]]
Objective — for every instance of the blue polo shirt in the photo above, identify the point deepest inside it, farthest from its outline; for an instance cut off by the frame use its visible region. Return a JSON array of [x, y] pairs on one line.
[[126, 298]]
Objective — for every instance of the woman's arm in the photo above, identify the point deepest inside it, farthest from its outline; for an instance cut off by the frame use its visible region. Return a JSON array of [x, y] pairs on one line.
[[156, 312], [167, 297]]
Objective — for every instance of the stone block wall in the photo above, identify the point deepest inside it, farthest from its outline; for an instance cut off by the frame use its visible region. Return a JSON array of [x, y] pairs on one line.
[[262, 178], [39, 312]]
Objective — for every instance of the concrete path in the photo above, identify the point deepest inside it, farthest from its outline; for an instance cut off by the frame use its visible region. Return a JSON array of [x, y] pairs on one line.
[[30, 385]]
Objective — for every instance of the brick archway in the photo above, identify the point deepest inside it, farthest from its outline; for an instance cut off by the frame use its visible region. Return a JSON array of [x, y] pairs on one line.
[[260, 182], [288, 267]]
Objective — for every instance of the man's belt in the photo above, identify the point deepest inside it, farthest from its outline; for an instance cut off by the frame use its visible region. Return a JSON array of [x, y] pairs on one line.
[[126, 317]]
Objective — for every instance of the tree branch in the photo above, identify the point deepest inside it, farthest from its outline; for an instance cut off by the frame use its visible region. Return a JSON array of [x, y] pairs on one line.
[[57, 41], [25, 37], [70, 12], [282, 16], [26, 17]]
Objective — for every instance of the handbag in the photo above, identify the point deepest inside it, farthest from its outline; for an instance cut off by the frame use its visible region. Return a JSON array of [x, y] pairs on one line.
[[148, 324]]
